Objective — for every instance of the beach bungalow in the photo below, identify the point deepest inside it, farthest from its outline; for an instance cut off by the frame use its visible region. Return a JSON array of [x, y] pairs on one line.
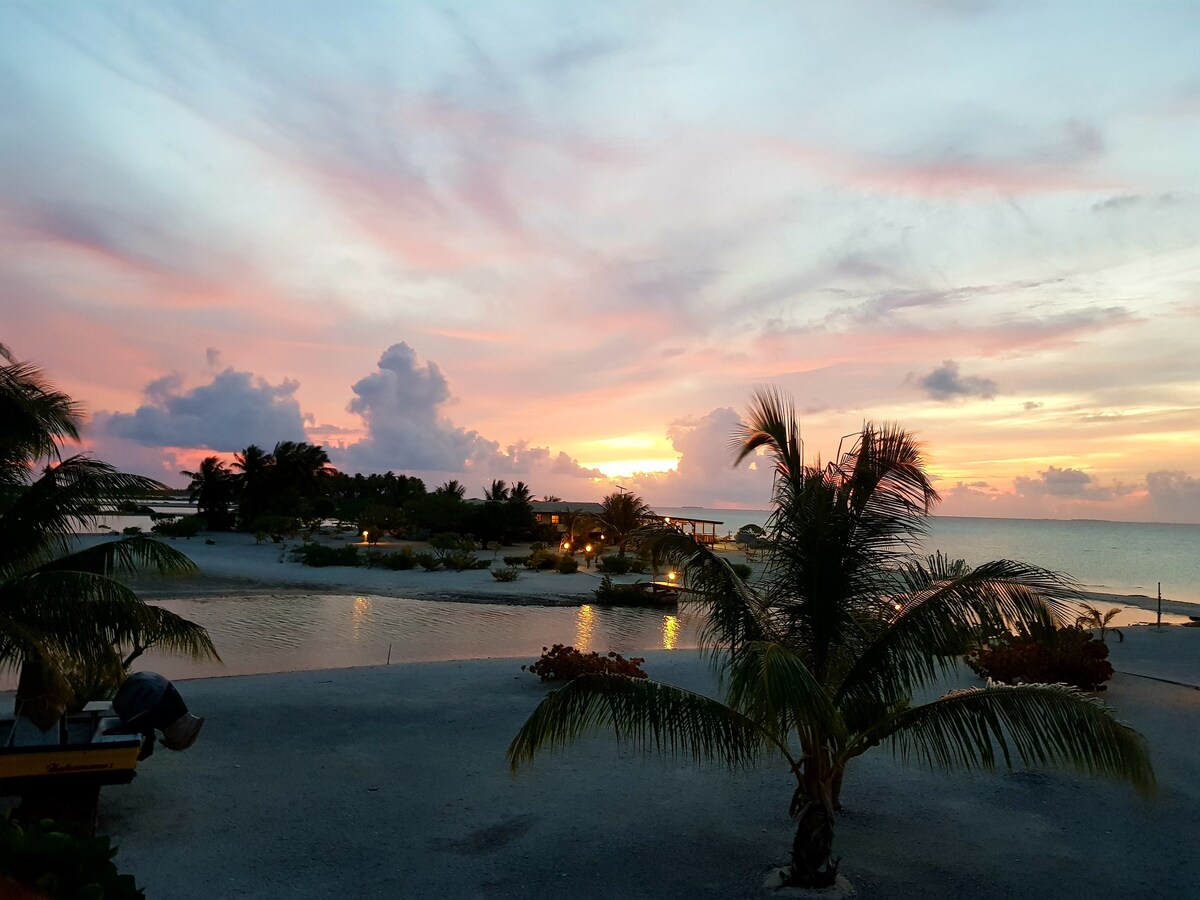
[[557, 513]]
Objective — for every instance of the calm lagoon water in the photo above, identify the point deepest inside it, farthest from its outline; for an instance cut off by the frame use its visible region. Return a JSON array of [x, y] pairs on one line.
[[289, 632], [292, 632]]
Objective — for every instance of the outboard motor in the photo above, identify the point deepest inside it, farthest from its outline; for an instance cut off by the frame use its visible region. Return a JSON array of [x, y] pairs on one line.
[[147, 701]]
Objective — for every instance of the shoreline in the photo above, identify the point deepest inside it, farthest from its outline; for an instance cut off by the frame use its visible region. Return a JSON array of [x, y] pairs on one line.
[[237, 565]]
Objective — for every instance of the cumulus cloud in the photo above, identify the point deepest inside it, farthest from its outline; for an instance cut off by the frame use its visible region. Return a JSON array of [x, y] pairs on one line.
[[946, 382], [705, 473], [1055, 481], [1174, 496], [233, 410], [401, 408]]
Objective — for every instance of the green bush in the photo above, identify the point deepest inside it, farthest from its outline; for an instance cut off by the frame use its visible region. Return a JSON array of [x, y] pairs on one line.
[[58, 860], [427, 561], [742, 570], [449, 544], [509, 573], [542, 559], [131, 530], [567, 565], [320, 556], [559, 663], [614, 565], [401, 560], [1061, 656], [516, 560], [276, 527], [461, 562], [186, 527]]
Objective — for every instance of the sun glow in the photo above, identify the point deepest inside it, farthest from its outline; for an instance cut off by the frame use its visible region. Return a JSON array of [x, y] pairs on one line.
[[623, 468]]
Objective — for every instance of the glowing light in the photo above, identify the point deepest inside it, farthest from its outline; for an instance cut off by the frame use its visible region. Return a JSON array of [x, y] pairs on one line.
[[585, 626], [566, 545], [670, 632], [362, 606], [671, 576], [587, 549]]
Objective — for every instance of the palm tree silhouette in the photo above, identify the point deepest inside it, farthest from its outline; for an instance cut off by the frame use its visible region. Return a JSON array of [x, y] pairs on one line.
[[823, 656], [64, 607]]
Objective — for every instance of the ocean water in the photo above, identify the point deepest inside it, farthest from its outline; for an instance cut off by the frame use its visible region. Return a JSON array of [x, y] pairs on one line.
[[1110, 557]]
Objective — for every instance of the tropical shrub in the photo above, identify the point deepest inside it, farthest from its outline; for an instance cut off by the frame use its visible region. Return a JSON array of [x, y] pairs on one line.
[[461, 562], [401, 560], [614, 565], [1059, 656], [59, 860], [131, 530], [427, 561], [319, 556], [542, 558], [516, 560], [567, 565], [184, 527], [508, 573], [276, 527], [450, 544], [750, 535], [742, 570], [559, 663], [1100, 620]]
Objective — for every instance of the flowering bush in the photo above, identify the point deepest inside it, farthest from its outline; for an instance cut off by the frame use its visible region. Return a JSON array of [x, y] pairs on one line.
[[559, 663], [1062, 656]]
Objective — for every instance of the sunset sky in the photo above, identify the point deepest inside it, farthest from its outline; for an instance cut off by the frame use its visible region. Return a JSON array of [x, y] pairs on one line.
[[564, 242]]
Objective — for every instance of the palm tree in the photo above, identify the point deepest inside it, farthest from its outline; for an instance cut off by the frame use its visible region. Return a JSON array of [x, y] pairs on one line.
[[212, 489], [497, 493], [451, 488], [255, 467], [621, 515], [822, 657], [1092, 617], [63, 608]]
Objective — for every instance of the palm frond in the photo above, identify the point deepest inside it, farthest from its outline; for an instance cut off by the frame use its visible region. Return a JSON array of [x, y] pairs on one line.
[[1042, 725], [771, 685], [125, 556], [70, 497], [926, 627], [772, 423], [82, 615], [36, 417], [734, 612], [645, 714]]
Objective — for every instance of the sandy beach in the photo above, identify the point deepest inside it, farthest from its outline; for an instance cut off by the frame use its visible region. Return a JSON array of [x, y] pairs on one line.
[[390, 782]]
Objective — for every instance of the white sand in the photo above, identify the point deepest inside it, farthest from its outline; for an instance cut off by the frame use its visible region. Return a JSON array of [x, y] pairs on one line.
[[236, 563], [391, 782]]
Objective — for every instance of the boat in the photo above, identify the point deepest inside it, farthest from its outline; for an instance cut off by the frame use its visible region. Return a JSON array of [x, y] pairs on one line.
[[75, 750]]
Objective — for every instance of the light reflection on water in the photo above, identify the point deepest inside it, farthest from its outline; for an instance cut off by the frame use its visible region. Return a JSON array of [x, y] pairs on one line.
[[291, 632]]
